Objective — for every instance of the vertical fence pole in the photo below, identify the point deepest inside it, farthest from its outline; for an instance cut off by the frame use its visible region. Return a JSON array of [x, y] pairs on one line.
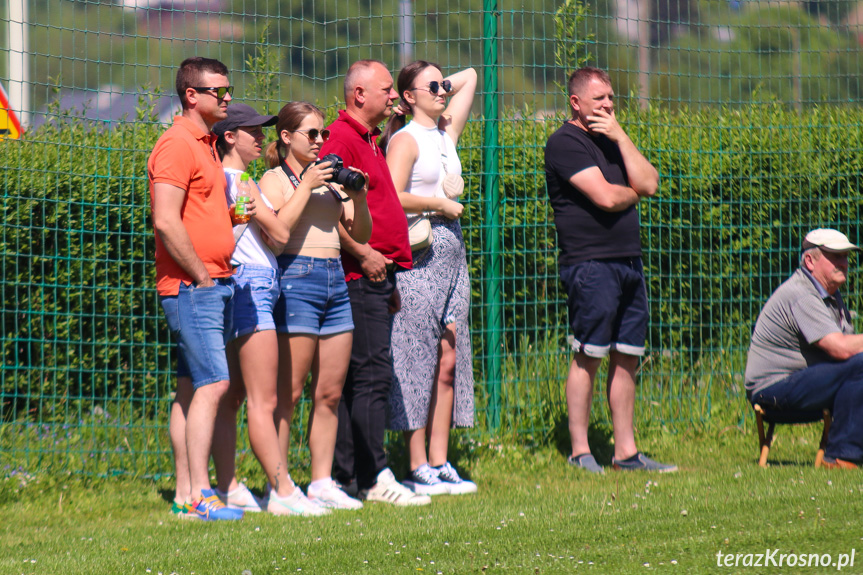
[[406, 32], [19, 61], [492, 293]]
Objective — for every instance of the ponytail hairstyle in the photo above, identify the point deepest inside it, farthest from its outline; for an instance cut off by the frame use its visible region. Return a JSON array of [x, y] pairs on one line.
[[290, 118], [407, 77]]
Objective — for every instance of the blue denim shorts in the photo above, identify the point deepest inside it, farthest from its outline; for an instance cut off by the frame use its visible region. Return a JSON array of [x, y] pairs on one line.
[[314, 296], [256, 291], [607, 302], [202, 318], [169, 306]]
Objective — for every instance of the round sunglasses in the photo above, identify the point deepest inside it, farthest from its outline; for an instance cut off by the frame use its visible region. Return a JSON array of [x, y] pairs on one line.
[[434, 87], [313, 134]]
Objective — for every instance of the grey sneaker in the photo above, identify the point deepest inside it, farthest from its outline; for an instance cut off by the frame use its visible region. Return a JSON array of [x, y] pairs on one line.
[[587, 462], [641, 462]]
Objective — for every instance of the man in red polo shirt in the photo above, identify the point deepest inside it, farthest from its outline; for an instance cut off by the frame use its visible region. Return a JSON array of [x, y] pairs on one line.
[[194, 242], [370, 272]]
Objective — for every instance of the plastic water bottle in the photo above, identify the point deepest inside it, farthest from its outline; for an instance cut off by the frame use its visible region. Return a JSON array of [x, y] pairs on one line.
[[243, 196]]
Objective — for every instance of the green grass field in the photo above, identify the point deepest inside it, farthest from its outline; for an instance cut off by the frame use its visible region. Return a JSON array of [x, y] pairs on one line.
[[533, 514]]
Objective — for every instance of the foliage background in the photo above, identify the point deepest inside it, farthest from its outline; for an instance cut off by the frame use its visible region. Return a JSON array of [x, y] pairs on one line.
[[750, 110], [86, 356]]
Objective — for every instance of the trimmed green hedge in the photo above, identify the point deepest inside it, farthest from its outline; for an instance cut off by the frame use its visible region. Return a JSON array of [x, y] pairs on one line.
[[81, 321]]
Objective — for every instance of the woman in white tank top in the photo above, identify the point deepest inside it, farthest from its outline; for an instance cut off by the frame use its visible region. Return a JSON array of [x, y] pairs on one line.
[[433, 384]]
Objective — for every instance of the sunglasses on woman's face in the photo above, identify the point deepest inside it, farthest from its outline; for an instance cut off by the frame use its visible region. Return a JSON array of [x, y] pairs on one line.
[[434, 87], [313, 134]]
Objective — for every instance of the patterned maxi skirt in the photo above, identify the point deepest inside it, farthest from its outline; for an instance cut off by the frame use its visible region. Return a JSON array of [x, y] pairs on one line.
[[435, 293]]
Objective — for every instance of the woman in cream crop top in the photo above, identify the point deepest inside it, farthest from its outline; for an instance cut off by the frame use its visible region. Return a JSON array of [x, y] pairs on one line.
[[315, 205], [313, 314]]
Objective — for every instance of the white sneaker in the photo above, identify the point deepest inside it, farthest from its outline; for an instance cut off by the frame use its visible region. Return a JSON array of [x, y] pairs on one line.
[[240, 498], [294, 504], [332, 497], [424, 480], [457, 485], [388, 490]]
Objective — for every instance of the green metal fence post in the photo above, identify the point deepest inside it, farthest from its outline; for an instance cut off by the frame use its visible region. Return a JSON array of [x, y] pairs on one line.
[[491, 146]]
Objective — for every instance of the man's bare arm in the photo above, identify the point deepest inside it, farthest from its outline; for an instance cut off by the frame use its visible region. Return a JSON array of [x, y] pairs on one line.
[[643, 177], [607, 197], [167, 204], [841, 346]]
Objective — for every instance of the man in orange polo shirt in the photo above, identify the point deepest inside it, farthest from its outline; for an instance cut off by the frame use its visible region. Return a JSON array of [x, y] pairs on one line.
[[194, 242]]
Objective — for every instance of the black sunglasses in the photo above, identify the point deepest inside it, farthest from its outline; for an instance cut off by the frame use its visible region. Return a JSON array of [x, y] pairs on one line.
[[435, 86], [219, 92], [313, 134]]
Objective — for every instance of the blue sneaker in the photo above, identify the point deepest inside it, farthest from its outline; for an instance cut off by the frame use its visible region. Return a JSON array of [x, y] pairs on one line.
[[587, 462], [210, 508], [641, 462]]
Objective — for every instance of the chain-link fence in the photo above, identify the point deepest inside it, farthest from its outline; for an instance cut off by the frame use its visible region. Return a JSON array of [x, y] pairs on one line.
[[748, 109]]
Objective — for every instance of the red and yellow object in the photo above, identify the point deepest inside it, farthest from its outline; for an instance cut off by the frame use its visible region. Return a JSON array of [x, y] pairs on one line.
[[10, 127]]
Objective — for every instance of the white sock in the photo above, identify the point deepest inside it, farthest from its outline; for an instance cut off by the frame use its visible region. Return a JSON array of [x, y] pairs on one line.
[[319, 485]]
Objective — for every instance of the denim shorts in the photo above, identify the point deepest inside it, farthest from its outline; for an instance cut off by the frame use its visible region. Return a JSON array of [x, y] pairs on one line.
[[256, 291], [607, 302], [313, 296], [169, 306], [200, 318]]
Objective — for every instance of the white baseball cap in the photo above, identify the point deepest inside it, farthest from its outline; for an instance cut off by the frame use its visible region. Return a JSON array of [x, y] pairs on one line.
[[828, 239]]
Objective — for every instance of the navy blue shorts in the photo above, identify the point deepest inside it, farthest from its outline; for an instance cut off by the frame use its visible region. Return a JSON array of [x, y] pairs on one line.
[[607, 302]]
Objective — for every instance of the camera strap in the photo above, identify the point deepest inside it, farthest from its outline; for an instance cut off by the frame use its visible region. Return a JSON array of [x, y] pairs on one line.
[[295, 181]]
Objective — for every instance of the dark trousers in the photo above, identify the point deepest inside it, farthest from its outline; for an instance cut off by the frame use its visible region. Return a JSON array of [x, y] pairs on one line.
[[363, 409], [837, 386]]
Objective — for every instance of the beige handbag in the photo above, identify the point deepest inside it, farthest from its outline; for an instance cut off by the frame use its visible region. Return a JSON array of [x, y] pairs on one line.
[[420, 233], [452, 184]]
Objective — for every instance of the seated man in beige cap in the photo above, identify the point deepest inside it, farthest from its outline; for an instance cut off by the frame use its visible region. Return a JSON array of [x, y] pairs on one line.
[[804, 355]]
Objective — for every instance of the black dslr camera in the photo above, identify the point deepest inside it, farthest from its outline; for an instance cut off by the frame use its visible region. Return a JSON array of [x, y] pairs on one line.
[[349, 179]]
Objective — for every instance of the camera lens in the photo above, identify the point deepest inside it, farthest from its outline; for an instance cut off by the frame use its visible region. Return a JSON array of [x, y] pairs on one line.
[[351, 180]]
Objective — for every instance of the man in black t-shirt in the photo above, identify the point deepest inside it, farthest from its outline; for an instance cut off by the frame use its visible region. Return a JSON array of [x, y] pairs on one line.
[[595, 176]]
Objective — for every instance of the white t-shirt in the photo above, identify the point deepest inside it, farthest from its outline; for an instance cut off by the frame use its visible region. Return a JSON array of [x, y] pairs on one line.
[[250, 249]]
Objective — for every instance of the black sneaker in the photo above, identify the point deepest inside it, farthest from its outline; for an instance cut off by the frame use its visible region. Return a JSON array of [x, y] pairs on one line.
[[424, 480], [457, 485]]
